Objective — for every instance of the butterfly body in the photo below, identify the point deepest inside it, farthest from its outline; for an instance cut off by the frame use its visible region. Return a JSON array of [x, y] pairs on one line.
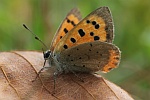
[[86, 45]]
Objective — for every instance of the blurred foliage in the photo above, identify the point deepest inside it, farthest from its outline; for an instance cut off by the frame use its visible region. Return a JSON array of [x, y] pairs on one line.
[[132, 33]]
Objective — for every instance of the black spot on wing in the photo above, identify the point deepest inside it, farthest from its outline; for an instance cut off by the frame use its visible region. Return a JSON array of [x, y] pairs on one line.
[[117, 58], [93, 22], [72, 22], [87, 21], [91, 44], [81, 32], [110, 68], [68, 21], [96, 38], [91, 33], [60, 37], [65, 30], [65, 46], [72, 40], [97, 26]]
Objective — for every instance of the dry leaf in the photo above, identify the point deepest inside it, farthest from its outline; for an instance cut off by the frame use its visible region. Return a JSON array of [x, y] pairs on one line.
[[19, 69]]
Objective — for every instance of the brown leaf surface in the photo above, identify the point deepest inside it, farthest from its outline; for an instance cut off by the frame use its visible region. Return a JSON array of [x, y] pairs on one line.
[[19, 68]]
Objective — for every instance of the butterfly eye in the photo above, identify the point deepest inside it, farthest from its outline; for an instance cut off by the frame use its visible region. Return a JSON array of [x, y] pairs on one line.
[[47, 54]]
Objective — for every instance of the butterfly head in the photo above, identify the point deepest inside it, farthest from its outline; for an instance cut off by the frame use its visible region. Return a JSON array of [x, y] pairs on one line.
[[47, 54]]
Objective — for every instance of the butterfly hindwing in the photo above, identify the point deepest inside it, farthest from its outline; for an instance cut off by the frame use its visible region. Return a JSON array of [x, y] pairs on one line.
[[94, 56], [71, 20], [97, 26]]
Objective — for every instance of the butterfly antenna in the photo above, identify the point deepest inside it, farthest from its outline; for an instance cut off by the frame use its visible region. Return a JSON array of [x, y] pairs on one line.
[[35, 36]]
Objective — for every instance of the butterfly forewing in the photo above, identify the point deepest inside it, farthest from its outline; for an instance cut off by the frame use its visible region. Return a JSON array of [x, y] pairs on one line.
[[71, 20], [93, 56], [97, 26]]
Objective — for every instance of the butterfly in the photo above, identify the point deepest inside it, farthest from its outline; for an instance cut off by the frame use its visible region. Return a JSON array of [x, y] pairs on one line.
[[84, 45]]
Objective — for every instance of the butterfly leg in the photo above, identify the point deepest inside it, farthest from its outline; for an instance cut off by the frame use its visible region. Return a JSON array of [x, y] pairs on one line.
[[40, 71], [55, 74], [54, 78]]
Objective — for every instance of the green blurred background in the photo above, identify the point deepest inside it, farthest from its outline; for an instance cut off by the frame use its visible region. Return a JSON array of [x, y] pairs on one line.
[[132, 33]]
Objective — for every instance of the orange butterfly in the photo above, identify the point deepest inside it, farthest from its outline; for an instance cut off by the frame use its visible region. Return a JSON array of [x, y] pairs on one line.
[[84, 45]]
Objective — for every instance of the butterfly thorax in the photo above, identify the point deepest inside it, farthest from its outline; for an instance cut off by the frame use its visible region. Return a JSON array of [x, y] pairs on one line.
[[54, 63]]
